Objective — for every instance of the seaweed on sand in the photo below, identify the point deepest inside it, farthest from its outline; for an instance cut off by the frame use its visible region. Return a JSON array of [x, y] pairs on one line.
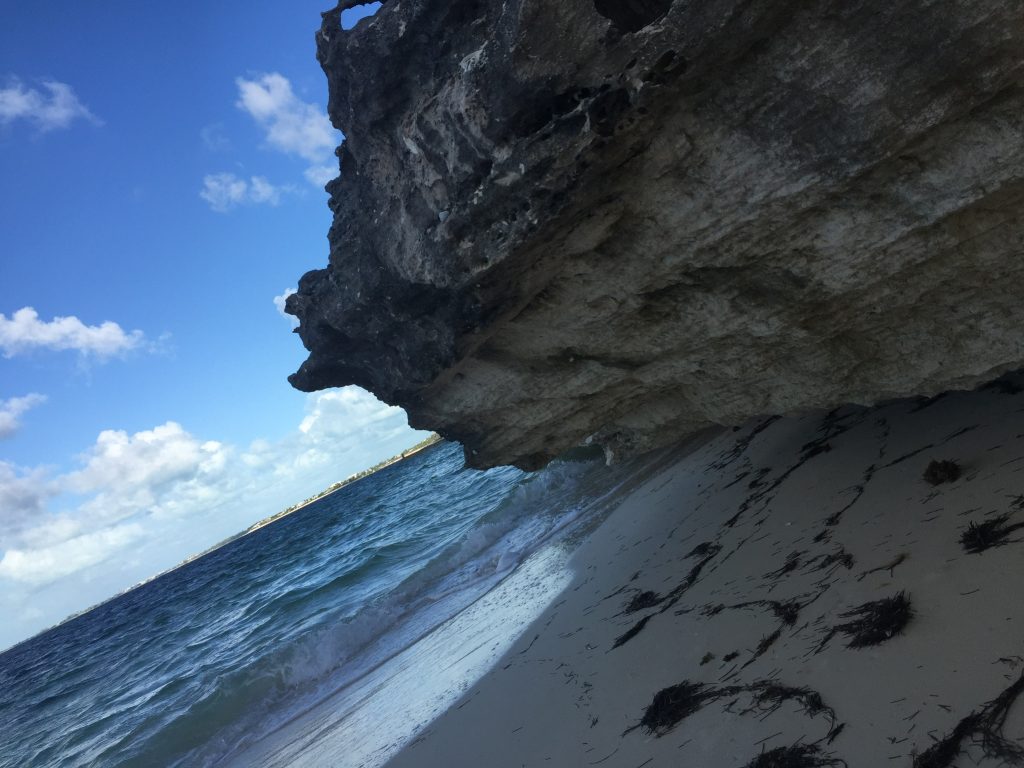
[[703, 549], [877, 621], [983, 728], [939, 472], [890, 566], [740, 447], [672, 705], [797, 756], [769, 696], [791, 564], [709, 551], [992, 533], [642, 600], [763, 645], [874, 622], [632, 632]]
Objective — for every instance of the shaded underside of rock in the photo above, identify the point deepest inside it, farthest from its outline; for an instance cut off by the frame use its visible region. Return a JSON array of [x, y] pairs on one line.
[[626, 221]]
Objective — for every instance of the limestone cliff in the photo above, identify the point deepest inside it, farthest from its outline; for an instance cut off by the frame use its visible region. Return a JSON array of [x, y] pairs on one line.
[[630, 219]]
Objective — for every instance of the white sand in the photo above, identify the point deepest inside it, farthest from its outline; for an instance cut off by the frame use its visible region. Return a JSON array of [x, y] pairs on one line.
[[563, 696]]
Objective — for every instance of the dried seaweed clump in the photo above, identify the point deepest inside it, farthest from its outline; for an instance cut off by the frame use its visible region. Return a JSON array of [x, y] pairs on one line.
[[982, 728], [939, 472], [673, 704], [873, 623], [992, 533], [877, 621], [798, 756]]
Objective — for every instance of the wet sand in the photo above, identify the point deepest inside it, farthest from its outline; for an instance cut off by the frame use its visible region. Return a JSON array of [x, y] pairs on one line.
[[792, 593]]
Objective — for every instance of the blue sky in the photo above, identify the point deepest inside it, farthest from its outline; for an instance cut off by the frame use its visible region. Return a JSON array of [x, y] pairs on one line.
[[161, 172]]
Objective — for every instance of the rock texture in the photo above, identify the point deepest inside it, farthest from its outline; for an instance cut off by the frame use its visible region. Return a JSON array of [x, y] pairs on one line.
[[625, 220]]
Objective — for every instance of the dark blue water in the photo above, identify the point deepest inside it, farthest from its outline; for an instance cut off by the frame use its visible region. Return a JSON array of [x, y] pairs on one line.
[[192, 668]]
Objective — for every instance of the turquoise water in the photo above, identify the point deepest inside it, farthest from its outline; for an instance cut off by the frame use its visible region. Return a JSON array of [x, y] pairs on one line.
[[195, 668]]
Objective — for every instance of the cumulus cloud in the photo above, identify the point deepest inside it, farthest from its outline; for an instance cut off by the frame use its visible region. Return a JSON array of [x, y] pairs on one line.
[[224, 191], [134, 488], [129, 474], [49, 563], [341, 413], [12, 409], [56, 106], [24, 331], [291, 125], [279, 302]]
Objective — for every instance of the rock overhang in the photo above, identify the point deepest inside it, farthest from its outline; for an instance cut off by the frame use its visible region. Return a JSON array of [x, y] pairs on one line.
[[626, 222]]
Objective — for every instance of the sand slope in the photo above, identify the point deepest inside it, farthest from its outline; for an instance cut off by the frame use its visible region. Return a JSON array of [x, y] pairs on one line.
[[735, 583]]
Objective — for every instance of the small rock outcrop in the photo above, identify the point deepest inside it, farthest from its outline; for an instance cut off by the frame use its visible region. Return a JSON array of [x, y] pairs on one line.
[[626, 220]]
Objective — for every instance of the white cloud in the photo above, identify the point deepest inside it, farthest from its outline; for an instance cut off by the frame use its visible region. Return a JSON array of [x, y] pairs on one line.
[[262, 191], [12, 409], [279, 302], [152, 486], [224, 191], [131, 474], [292, 126], [49, 563], [342, 413], [25, 331], [319, 175], [57, 107], [214, 139]]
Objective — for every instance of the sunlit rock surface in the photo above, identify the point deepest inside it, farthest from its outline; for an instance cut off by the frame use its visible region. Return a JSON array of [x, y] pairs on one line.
[[627, 220]]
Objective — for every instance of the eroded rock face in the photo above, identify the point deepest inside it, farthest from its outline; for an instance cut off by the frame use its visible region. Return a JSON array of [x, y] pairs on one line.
[[628, 220]]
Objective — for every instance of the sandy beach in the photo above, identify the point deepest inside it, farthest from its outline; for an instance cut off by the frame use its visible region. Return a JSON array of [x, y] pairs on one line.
[[794, 593]]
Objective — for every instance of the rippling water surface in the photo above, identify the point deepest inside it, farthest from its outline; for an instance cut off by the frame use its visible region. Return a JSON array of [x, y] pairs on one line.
[[196, 667]]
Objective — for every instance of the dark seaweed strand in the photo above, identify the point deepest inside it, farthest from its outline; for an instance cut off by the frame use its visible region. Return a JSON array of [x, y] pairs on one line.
[[708, 550], [740, 447], [991, 533], [770, 695], [632, 632], [982, 728], [831, 427], [672, 705], [787, 612], [796, 756]]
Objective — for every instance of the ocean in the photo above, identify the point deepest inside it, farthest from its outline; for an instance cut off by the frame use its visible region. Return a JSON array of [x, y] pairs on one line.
[[328, 637]]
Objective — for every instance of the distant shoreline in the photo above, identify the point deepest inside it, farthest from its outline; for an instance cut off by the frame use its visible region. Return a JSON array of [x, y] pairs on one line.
[[418, 448]]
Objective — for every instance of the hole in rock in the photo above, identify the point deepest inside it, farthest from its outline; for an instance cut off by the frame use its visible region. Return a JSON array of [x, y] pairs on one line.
[[632, 15], [350, 17]]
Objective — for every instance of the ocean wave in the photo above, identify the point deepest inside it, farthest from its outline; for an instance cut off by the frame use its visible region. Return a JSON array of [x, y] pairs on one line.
[[213, 656], [291, 671]]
